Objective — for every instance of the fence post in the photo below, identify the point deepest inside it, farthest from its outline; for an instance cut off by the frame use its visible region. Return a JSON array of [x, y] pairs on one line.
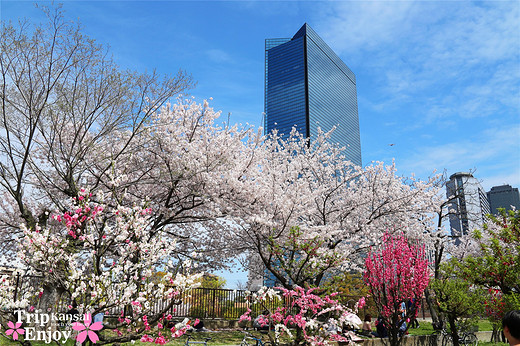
[[214, 303]]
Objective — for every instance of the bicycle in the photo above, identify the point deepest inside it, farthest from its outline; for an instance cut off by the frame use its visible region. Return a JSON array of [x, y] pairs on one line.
[[446, 339], [257, 341], [467, 338], [188, 342]]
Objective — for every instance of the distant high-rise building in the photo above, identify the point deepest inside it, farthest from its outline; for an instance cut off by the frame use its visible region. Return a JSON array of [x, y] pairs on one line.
[[308, 86], [469, 203], [503, 196]]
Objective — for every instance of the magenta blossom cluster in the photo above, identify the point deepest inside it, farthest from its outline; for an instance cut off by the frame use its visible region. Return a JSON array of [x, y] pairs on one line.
[[311, 313], [85, 211], [176, 331], [397, 273]]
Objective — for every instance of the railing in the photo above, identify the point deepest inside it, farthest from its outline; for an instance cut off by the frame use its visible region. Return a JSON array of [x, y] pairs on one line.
[[204, 303], [207, 303]]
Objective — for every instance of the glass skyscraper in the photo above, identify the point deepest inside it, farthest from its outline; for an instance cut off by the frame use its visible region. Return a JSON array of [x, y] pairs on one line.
[[503, 196], [307, 86]]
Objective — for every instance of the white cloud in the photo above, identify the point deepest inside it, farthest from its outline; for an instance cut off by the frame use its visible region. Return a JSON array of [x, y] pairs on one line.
[[218, 56], [488, 154], [453, 32], [354, 26], [461, 59], [500, 179]]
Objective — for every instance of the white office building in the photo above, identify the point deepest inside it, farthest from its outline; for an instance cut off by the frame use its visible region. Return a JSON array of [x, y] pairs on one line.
[[469, 204]]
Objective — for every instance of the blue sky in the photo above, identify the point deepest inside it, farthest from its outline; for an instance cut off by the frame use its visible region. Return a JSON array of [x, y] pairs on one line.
[[440, 80]]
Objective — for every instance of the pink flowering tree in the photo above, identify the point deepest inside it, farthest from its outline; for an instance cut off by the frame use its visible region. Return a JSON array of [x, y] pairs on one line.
[[397, 274], [103, 258], [315, 319]]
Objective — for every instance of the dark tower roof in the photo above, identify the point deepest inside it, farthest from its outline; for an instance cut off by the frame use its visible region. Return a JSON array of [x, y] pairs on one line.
[[302, 32]]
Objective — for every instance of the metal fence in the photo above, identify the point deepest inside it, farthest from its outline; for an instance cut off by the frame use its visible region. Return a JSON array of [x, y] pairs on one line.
[[205, 303]]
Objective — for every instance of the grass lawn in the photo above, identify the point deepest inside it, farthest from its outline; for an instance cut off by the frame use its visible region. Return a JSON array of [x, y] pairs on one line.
[[426, 328], [223, 337], [485, 325], [217, 338], [234, 337]]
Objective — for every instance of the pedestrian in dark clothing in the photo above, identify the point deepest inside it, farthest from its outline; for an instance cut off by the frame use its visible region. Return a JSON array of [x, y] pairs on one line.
[[412, 307], [381, 330]]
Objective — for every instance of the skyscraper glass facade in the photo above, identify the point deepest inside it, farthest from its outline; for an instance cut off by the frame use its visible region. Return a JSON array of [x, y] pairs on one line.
[[308, 87], [503, 196], [285, 88]]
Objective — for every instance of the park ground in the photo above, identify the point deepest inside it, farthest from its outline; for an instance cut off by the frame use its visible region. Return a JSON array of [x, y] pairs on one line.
[[232, 337]]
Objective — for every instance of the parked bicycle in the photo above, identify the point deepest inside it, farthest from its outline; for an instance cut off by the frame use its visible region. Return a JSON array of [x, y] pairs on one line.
[[250, 340], [465, 338], [188, 342]]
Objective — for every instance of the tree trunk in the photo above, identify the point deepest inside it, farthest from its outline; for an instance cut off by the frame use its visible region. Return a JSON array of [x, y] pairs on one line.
[[454, 331], [48, 303], [431, 307], [495, 335], [393, 329], [299, 336], [393, 336]]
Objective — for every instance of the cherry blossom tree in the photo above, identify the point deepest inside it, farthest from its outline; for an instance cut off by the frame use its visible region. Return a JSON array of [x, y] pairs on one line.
[[440, 242], [70, 118], [218, 190], [336, 206], [396, 274], [62, 98]]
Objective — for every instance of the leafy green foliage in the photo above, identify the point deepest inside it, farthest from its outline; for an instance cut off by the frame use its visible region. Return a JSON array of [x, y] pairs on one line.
[[350, 287], [499, 263], [211, 301], [347, 285], [496, 268], [456, 298], [212, 281]]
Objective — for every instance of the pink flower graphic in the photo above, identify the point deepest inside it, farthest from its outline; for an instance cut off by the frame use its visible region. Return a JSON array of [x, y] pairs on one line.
[[86, 329], [14, 329]]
